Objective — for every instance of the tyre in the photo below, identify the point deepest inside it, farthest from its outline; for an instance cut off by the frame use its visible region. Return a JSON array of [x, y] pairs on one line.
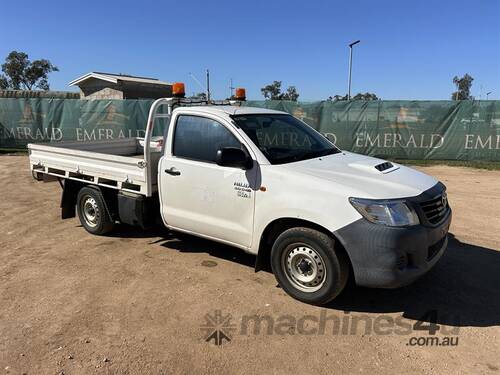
[[93, 212], [307, 267]]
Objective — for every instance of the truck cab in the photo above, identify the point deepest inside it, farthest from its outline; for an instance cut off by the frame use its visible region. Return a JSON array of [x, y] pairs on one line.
[[266, 182]]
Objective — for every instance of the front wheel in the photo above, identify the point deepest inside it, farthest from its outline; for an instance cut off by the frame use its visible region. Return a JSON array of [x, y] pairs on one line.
[[93, 212], [307, 267]]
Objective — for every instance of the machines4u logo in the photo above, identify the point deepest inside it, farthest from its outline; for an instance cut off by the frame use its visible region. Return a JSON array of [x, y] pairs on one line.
[[218, 327]]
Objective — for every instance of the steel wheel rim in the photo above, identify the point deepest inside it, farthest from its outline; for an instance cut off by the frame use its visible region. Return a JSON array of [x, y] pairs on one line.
[[304, 268], [90, 211]]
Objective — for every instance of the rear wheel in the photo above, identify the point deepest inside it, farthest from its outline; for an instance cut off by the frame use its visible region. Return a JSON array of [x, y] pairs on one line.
[[93, 212], [307, 267]]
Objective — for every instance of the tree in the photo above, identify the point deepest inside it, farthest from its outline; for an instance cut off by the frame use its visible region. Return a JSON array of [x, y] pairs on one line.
[[291, 94], [4, 83], [273, 92], [365, 96], [463, 87], [23, 74], [358, 96], [336, 98]]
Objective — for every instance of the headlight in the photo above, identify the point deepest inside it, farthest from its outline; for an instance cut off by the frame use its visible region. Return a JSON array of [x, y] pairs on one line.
[[394, 213]]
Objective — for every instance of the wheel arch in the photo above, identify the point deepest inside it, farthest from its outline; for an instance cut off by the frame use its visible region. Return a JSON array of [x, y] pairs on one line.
[[71, 188], [278, 226]]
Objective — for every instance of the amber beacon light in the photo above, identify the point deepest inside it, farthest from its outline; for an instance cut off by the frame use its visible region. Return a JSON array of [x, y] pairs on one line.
[[240, 94], [178, 90]]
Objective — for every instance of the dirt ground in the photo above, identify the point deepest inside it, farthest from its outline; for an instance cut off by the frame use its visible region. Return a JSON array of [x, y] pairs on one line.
[[136, 302]]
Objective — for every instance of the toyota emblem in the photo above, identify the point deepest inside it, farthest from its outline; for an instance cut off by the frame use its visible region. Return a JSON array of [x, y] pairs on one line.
[[444, 199]]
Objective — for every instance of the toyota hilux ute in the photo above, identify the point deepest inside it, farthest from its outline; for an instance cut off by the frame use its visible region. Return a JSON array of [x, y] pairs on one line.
[[262, 181]]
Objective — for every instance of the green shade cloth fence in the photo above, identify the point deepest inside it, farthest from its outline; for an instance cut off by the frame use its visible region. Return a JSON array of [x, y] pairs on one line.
[[463, 130]]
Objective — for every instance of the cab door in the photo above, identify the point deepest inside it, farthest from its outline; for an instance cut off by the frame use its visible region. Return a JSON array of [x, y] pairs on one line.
[[196, 194]]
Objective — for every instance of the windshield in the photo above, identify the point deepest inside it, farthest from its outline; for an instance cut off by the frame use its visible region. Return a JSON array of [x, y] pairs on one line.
[[283, 138]]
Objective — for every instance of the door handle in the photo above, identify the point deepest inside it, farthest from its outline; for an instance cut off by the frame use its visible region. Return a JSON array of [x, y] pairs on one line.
[[172, 171]]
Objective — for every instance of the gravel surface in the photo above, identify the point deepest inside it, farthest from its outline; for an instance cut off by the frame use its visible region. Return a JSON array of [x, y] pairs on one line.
[[140, 302]]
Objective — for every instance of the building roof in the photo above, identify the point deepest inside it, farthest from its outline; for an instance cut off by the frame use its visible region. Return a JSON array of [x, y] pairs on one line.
[[114, 78]]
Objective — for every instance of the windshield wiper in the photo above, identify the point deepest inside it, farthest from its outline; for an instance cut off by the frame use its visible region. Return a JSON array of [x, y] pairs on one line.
[[317, 154], [306, 155], [330, 151]]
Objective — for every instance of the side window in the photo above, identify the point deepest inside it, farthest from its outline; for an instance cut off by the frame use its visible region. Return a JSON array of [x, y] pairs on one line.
[[199, 138]]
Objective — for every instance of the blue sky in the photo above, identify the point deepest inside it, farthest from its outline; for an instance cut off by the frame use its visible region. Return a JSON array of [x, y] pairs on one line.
[[408, 49]]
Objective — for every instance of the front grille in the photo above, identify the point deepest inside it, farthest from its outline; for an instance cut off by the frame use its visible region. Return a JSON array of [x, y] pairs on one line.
[[436, 208]]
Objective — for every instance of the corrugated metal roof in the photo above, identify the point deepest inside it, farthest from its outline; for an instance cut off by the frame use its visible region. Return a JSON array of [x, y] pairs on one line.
[[114, 78]]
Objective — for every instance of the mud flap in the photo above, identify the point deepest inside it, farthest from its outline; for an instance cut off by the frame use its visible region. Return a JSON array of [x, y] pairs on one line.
[[68, 198]]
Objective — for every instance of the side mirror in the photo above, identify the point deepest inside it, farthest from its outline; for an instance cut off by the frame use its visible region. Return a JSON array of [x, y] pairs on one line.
[[233, 157]]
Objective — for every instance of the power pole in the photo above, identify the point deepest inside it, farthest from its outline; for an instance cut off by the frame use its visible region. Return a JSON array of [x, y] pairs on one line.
[[350, 67], [208, 85]]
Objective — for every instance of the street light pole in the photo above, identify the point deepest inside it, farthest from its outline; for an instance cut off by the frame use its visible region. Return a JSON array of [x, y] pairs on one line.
[[208, 85], [488, 94], [350, 67]]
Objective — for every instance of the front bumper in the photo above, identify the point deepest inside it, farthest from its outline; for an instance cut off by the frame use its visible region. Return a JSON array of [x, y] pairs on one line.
[[391, 257]]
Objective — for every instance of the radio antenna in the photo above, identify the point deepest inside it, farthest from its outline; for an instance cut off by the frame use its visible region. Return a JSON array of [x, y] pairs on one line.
[[197, 81], [204, 88], [231, 88]]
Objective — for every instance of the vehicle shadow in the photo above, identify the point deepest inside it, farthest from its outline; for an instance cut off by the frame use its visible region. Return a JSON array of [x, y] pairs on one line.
[[129, 231], [463, 289], [185, 243]]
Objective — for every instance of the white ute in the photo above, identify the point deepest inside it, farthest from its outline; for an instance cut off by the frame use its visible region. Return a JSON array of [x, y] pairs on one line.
[[265, 182]]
